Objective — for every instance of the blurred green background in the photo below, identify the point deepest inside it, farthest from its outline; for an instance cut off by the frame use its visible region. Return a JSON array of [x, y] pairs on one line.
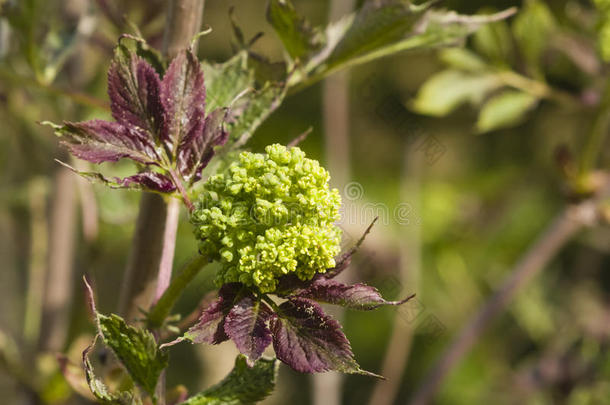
[[457, 207]]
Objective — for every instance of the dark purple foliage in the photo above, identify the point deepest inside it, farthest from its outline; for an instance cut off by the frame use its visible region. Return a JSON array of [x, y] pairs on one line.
[[210, 327], [355, 296], [246, 325], [134, 91], [183, 99], [159, 122], [101, 141], [310, 341], [150, 180]]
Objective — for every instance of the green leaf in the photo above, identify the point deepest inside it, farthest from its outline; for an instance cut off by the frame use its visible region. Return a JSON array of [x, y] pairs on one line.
[[374, 27], [504, 110], [225, 81], [447, 90], [297, 35], [463, 59], [253, 109], [495, 42], [232, 84], [136, 348], [380, 30], [134, 44], [533, 28], [244, 385], [100, 390]]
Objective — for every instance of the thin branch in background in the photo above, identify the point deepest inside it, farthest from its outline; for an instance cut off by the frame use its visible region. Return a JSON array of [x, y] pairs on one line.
[[399, 347], [58, 297], [561, 230], [297, 141], [88, 205], [39, 240]]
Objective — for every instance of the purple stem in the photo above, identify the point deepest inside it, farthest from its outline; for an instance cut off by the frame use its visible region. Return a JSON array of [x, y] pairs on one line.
[[169, 247]]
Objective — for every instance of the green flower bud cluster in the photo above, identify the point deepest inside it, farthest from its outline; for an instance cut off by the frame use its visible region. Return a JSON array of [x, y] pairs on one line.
[[267, 216]]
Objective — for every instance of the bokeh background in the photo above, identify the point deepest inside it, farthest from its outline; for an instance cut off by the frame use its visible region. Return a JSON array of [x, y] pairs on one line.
[[458, 206]]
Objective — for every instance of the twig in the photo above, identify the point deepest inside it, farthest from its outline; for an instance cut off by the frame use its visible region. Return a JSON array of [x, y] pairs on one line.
[[561, 230], [297, 141]]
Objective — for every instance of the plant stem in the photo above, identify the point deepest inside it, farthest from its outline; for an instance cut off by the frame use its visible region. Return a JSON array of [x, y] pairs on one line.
[[185, 197], [535, 88], [169, 247], [562, 229], [183, 22], [145, 257], [166, 302]]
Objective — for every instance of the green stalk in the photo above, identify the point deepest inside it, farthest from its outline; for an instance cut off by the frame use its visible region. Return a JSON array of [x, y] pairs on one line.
[[161, 309]]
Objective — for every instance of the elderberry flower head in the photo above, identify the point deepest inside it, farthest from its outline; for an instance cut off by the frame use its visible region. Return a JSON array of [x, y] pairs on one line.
[[267, 216]]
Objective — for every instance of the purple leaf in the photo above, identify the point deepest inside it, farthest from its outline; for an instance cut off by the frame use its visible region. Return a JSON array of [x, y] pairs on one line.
[[210, 327], [289, 284], [197, 148], [183, 99], [356, 296], [246, 325], [151, 181], [102, 141], [218, 138], [310, 341], [134, 89]]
